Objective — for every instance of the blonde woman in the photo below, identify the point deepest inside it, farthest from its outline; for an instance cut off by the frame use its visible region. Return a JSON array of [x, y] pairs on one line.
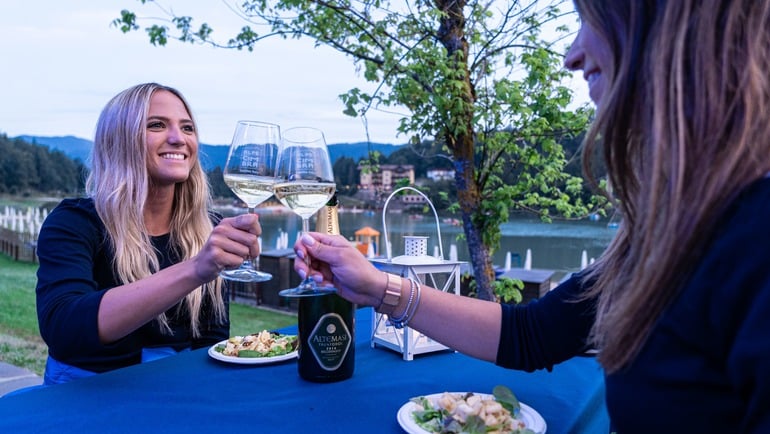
[[129, 273], [679, 304]]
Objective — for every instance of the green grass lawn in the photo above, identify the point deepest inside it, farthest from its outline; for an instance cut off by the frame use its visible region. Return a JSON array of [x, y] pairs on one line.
[[20, 342]]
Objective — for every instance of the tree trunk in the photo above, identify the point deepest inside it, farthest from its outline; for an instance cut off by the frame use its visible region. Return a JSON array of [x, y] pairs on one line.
[[459, 137], [469, 199]]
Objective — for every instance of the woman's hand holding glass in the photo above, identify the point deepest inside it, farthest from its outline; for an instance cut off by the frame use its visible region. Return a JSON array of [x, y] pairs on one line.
[[250, 174], [304, 183], [232, 239]]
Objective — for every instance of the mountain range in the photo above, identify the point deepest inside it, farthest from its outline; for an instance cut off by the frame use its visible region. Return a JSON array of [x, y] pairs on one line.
[[211, 156]]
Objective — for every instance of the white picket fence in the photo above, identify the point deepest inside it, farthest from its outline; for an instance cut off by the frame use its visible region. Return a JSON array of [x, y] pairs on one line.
[[19, 229]]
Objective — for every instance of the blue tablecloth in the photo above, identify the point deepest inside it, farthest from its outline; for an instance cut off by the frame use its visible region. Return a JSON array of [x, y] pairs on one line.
[[191, 392]]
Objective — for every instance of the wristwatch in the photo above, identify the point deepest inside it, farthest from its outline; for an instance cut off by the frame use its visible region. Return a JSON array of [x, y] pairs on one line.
[[392, 291]]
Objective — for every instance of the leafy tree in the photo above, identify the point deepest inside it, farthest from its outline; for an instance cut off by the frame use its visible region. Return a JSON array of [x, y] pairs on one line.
[[28, 168], [57, 173], [473, 76], [424, 156], [346, 175], [18, 166], [441, 193]]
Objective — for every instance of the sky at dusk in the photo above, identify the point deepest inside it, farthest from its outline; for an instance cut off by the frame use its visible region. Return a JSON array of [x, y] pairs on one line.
[[62, 62]]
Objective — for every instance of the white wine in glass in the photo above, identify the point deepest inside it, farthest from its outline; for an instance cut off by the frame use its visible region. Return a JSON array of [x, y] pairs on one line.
[[250, 174], [304, 183]]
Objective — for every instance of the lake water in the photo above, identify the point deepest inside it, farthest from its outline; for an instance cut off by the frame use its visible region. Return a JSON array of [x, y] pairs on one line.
[[555, 246]]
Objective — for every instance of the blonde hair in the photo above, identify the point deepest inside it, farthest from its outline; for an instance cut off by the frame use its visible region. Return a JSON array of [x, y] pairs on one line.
[[119, 183], [682, 130]]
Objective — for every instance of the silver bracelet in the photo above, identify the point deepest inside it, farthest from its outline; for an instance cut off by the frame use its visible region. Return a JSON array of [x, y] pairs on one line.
[[416, 304], [399, 322]]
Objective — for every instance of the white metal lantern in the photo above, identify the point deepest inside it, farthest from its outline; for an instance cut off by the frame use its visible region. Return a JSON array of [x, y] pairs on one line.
[[416, 264]]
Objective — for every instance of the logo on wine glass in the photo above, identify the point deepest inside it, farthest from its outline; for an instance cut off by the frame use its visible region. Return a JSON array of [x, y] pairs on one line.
[[306, 161], [251, 158]]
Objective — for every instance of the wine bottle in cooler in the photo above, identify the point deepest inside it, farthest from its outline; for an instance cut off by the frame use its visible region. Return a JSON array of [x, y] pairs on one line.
[[326, 323]]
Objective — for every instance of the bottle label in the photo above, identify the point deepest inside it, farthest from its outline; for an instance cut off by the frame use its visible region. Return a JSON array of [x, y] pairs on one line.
[[330, 341]]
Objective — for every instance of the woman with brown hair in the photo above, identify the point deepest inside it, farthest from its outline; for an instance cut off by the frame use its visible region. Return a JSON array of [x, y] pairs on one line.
[[678, 306]]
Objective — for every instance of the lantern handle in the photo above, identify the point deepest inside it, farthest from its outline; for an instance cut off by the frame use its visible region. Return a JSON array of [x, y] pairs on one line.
[[388, 251]]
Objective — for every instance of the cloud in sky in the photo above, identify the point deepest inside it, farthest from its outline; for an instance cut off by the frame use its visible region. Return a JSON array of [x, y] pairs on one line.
[[62, 62]]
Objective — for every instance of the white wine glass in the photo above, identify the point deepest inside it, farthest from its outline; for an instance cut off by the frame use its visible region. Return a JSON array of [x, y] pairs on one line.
[[304, 183], [250, 174]]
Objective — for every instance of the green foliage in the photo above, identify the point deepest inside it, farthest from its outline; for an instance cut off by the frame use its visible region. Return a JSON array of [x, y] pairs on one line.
[[27, 168], [505, 290], [346, 175], [475, 80], [508, 290]]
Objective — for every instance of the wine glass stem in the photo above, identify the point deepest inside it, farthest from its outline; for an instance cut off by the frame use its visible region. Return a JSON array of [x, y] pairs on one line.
[[306, 229], [255, 259]]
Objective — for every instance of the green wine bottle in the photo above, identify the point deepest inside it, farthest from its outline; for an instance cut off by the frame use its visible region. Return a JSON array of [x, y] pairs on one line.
[[326, 323]]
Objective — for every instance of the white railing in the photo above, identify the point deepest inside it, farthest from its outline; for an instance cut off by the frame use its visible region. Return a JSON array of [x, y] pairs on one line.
[[19, 229]]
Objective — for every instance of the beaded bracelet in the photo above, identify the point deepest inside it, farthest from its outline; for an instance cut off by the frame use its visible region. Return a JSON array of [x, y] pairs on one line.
[[416, 304], [403, 320], [398, 321]]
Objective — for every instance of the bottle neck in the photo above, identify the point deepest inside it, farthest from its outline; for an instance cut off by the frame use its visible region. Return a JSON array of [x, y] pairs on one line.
[[328, 221]]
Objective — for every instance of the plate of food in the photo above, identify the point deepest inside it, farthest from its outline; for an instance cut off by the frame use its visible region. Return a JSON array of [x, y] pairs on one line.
[[470, 412], [256, 349]]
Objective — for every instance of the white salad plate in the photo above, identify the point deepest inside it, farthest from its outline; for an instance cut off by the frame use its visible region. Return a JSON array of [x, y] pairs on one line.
[[527, 414], [214, 354]]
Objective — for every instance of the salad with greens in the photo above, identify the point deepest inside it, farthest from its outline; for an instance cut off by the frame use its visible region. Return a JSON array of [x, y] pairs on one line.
[[470, 413], [262, 344]]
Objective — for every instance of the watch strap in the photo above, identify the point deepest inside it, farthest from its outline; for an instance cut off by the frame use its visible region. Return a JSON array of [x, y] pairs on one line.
[[392, 291]]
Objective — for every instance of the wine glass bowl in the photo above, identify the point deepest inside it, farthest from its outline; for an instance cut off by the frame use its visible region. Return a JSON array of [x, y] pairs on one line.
[[304, 182], [250, 174]]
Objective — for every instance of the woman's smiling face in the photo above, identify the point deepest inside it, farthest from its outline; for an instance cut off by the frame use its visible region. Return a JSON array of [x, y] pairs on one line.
[[172, 143], [591, 54]]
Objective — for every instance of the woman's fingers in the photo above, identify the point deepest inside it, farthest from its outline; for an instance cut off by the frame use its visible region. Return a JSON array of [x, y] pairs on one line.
[[334, 259], [232, 241], [240, 235]]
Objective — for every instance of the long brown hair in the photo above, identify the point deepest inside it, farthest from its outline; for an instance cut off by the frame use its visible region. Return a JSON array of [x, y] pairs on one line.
[[119, 185], [682, 129]]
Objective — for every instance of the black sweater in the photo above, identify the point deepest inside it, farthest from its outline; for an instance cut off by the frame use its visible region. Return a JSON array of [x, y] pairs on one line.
[[706, 365], [75, 271]]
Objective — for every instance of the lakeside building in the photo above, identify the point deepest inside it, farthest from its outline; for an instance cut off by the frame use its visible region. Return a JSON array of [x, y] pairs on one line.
[[385, 176], [379, 181]]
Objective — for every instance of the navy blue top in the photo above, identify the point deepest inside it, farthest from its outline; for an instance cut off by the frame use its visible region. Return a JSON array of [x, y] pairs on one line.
[[706, 365], [75, 272]]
